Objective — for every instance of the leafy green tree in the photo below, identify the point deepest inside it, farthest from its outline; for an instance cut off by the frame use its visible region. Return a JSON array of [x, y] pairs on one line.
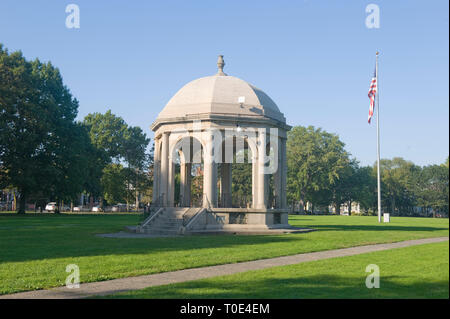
[[434, 188], [241, 184], [114, 184], [316, 160], [107, 133], [41, 147], [366, 188], [197, 185], [399, 185], [69, 164], [133, 150], [134, 146], [97, 161], [346, 187], [446, 163], [115, 141]]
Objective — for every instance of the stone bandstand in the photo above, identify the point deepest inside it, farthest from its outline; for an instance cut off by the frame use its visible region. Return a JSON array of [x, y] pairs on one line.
[[208, 126]]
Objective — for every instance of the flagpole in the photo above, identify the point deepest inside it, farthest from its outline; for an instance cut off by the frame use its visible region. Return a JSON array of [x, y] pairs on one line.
[[378, 141]]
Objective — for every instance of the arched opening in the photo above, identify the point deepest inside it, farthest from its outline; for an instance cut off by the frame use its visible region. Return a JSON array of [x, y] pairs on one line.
[[187, 155], [235, 174]]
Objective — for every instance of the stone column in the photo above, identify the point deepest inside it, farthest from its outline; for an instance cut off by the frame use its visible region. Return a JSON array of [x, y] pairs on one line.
[[262, 185], [277, 177], [164, 168], [185, 184], [225, 185], [156, 171], [254, 180], [283, 173], [182, 183], [171, 182], [209, 175]]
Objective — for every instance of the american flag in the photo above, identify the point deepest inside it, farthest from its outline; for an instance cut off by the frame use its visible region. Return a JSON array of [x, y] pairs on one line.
[[372, 93]]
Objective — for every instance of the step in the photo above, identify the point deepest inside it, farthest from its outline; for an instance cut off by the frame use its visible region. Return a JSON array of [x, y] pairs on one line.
[[164, 227], [170, 219], [168, 225], [179, 216], [161, 232], [168, 222], [174, 219]]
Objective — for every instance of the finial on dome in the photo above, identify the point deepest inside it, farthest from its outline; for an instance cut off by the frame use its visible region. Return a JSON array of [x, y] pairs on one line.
[[220, 65]]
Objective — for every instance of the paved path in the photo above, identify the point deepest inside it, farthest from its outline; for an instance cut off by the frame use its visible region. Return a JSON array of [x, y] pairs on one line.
[[102, 288]]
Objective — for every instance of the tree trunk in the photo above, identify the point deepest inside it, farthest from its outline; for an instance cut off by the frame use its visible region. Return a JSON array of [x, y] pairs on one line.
[[393, 206], [58, 205], [22, 203], [137, 201], [14, 201], [7, 200], [349, 208], [137, 194], [337, 208]]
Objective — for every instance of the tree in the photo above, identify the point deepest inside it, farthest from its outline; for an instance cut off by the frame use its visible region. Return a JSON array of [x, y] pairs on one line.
[[241, 186], [434, 188], [134, 146], [446, 163], [399, 185], [346, 187], [366, 188], [97, 161], [107, 133], [116, 142], [316, 160], [38, 135], [133, 149], [114, 184], [197, 184], [70, 163]]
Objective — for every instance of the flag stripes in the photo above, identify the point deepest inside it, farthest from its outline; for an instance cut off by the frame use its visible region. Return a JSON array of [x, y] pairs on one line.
[[372, 93]]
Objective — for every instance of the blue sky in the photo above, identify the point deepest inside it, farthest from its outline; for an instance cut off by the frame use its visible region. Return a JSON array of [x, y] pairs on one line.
[[314, 58]]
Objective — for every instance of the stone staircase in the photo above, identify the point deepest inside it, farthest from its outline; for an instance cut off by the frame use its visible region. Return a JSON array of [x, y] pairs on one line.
[[169, 221]]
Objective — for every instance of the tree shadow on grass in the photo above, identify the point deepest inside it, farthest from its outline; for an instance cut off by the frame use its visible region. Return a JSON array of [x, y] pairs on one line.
[[74, 236], [40, 244], [376, 228], [309, 287]]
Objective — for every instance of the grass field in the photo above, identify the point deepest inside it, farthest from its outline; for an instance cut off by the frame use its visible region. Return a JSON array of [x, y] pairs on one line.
[[36, 249], [413, 272]]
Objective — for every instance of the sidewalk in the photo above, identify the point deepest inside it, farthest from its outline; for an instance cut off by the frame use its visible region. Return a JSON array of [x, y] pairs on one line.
[[102, 288]]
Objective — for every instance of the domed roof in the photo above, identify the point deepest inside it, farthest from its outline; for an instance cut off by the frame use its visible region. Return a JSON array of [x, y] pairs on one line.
[[221, 94]]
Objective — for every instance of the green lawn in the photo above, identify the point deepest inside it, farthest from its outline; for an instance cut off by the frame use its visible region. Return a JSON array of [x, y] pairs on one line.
[[35, 249], [413, 272]]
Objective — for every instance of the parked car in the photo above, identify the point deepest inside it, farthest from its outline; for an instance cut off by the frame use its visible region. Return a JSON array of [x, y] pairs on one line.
[[50, 207], [77, 209], [119, 208], [96, 209]]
